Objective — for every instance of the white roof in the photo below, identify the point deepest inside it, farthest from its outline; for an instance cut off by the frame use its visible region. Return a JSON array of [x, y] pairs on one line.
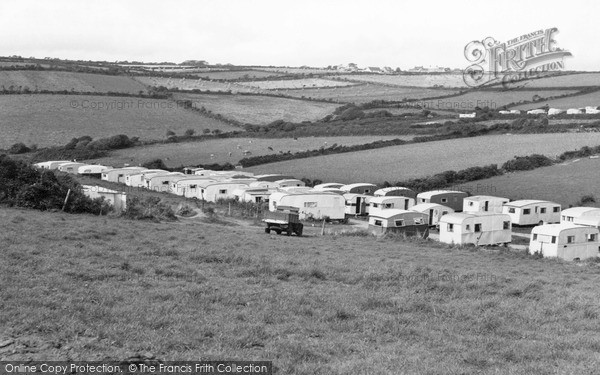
[[328, 185], [386, 214], [578, 211], [392, 188], [383, 199], [93, 168], [354, 195], [428, 206], [484, 198], [429, 194], [459, 217], [527, 202], [588, 220], [555, 229], [358, 184]]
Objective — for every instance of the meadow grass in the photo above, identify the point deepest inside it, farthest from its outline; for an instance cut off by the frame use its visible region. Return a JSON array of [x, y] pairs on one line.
[[86, 287]]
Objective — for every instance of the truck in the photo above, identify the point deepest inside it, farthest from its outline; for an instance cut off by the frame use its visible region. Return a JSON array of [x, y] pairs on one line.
[[284, 219]]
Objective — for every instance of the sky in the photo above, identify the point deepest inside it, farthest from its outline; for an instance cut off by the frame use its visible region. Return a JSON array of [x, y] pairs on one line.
[[290, 33]]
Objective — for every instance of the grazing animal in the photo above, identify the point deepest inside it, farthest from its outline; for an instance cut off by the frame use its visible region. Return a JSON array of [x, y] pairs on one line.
[[270, 148]]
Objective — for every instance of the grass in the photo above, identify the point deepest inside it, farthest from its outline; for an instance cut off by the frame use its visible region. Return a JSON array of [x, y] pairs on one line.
[[196, 84], [423, 159], [193, 153], [51, 119], [233, 75], [86, 287], [566, 80], [578, 101], [367, 92], [562, 183], [493, 99], [70, 81], [260, 110], [296, 84], [420, 80]]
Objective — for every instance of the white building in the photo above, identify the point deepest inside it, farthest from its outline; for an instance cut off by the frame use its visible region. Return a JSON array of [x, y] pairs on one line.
[[570, 214], [433, 211], [567, 241], [311, 204], [475, 228], [484, 203], [532, 212]]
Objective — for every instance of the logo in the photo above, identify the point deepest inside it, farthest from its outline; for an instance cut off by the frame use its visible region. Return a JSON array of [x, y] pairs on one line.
[[528, 56]]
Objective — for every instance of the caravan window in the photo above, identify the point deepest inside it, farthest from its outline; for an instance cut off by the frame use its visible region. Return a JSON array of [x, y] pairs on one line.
[[375, 205], [535, 236], [193, 186], [468, 227], [444, 200], [511, 210], [506, 225], [477, 227], [556, 209], [310, 204], [450, 227], [526, 211], [591, 237], [378, 222], [570, 239], [543, 210], [553, 239], [223, 191], [389, 205], [418, 220], [165, 182], [470, 203], [399, 223]]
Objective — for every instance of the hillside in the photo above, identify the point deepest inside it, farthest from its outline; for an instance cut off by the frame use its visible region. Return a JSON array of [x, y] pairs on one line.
[[69, 81], [398, 163], [88, 287], [48, 120]]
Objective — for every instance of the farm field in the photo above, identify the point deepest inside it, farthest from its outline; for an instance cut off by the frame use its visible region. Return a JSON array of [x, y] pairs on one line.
[[288, 70], [420, 80], [260, 110], [399, 163], [578, 101], [51, 120], [563, 80], [303, 83], [327, 305], [562, 183], [493, 99], [193, 153], [196, 84], [232, 75], [69, 81], [366, 93]]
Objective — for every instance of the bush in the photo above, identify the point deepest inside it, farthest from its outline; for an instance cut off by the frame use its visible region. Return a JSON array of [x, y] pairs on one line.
[[151, 208], [155, 164], [111, 143], [525, 163], [18, 148]]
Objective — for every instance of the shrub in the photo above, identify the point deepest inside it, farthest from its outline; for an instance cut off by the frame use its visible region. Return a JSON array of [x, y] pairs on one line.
[[155, 164], [18, 148], [151, 208], [525, 163]]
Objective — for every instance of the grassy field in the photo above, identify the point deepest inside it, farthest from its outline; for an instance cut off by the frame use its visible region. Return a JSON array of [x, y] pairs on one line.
[[398, 163], [48, 120], [260, 110], [197, 84], [578, 101], [193, 153], [296, 84], [232, 75], [567, 80], [421, 80], [58, 81], [366, 93], [562, 183], [492, 99], [95, 288]]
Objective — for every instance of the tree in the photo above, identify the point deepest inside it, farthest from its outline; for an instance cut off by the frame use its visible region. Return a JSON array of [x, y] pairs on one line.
[[206, 131], [170, 133], [18, 148], [190, 132]]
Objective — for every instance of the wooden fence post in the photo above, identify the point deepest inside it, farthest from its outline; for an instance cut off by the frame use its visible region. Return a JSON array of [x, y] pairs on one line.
[[66, 199]]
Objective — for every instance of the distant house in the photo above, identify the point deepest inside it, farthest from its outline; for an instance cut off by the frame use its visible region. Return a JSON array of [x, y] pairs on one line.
[[117, 199], [433, 211], [566, 241], [575, 111], [536, 112], [467, 115], [398, 221], [374, 69], [555, 111], [450, 198], [591, 110], [396, 191], [475, 228], [484, 203], [532, 212]]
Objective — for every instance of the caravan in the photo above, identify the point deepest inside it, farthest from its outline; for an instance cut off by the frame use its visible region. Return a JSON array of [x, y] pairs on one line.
[[475, 228], [566, 241]]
